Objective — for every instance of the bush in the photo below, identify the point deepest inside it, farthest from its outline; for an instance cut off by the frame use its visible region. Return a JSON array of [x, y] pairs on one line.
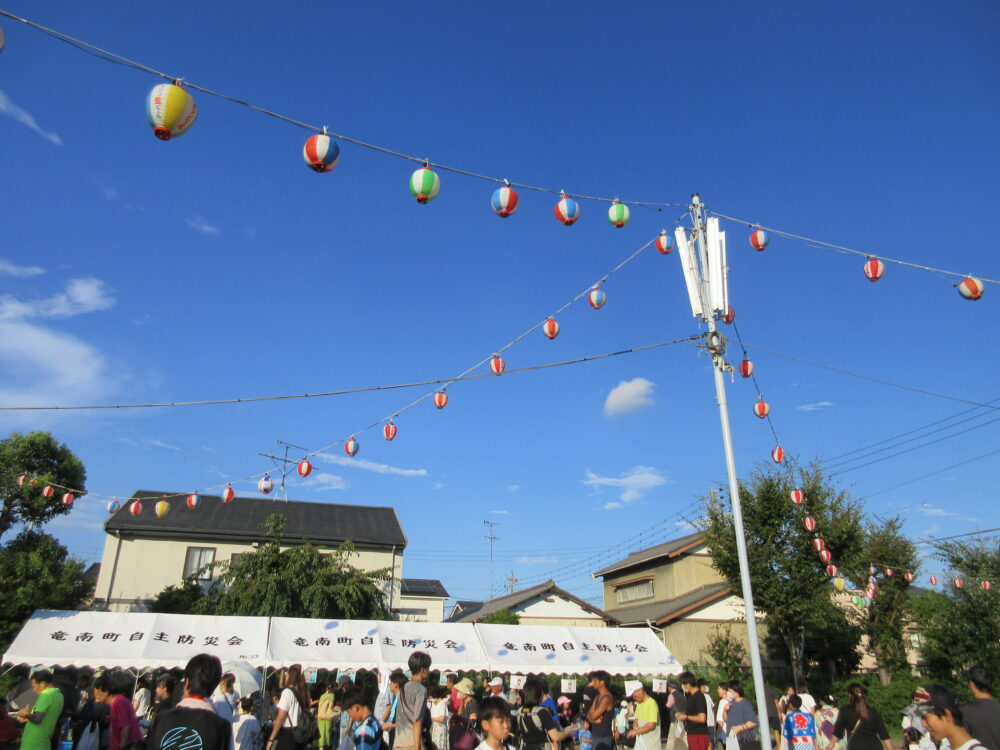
[[889, 700]]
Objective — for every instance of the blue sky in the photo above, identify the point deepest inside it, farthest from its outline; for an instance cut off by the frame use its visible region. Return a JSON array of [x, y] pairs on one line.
[[218, 265]]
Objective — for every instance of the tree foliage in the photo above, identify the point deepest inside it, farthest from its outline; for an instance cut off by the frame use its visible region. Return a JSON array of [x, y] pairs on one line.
[[46, 461], [503, 617], [961, 627], [728, 652], [36, 572], [297, 582], [790, 585], [180, 600]]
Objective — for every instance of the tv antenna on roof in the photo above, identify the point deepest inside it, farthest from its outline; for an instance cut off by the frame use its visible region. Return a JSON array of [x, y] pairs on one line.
[[283, 462]]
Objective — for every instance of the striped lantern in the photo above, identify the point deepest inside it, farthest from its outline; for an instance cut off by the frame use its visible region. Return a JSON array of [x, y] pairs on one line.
[[970, 288], [389, 430], [550, 328], [161, 509], [597, 298], [114, 506], [818, 544], [874, 268], [497, 365], [856, 600], [352, 446], [193, 501], [21, 480], [730, 316], [170, 110], [504, 201], [321, 153], [796, 496], [68, 498], [866, 601], [908, 577], [618, 214], [135, 508], [440, 399], [425, 185], [825, 555], [304, 468], [761, 409], [986, 585], [265, 485], [933, 580], [838, 583], [567, 210], [758, 239], [746, 368], [872, 570], [959, 583], [664, 243], [809, 523], [48, 490], [778, 454], [831, 570], [228, 494], [889, 572]]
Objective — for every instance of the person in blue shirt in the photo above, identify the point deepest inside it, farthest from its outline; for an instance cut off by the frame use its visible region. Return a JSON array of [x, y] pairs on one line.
[[799, 729], [366, 732]]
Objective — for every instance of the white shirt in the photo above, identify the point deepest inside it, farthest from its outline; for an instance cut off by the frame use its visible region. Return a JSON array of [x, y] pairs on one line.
[[720, 712], [808, 703], [246, 732], [141, 702], [226, 704], [710, 712], [290, 703]]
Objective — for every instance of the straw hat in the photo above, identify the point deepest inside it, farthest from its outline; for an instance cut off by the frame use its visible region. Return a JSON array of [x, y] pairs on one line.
[[464, 686]]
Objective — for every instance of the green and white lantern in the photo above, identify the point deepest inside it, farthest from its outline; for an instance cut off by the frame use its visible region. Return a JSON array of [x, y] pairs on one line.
[[619, 214], [425, 185]]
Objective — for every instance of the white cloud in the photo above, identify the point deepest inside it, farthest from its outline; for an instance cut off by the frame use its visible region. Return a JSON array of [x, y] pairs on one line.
[[629, 395], [105, 189], [513, 487], [361, 463], [10, 269], [199, 224], [634, 483], [613, 505], [437, 486], [7, 107], [536, 560], [81, 296], [926, 509], [686, 526], [325, 481], [148, 443], [500, 512], [816, 406]]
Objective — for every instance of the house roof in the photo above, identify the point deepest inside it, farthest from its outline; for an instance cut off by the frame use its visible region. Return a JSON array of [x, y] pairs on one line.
[[673, 548], [241, 519], [423, 587], [478, 610], [666, 611]]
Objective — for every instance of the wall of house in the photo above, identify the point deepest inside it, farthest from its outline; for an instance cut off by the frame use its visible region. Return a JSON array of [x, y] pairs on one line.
[[147, 566], [551, 609], [671, 578], [432, 609]]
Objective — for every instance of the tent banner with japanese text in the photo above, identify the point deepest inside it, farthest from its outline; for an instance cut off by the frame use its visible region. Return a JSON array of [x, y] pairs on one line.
[[357, 644], [546, 649], [135, 639]]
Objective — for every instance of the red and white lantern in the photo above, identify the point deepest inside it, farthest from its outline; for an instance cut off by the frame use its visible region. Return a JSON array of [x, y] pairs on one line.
[[809, 523], [777, 454], [730, 316], [497, 365], [389, 430], [48, 490], [440, 399], [304, 468], [959, 583], [21, 480], [550, 328], [970, 288], [265, 485], [135, 508], [68, 498], [351, 447], [874, 268], [818, 544], [889, 572], [228, 494], [986, 585], [193, 501], [746, 368], [825, 555], [796, 496], [597, 298], [831, 570], [758, 239], [908, 577], [664, 243], [761, 409], [933, 580]]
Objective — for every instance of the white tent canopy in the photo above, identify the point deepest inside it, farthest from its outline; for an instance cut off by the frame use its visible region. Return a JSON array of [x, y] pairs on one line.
[[110, 639]]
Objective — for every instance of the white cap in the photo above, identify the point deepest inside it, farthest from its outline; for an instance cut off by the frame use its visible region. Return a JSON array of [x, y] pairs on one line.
[[631, 686], [496, 681]]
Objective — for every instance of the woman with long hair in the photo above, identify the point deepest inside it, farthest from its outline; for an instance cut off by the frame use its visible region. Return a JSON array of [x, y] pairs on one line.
[[862, 724], [294, 695]]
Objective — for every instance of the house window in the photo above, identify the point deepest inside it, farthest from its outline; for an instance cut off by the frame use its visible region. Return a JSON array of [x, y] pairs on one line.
[[634, 591], [196, 559], [412, 611]]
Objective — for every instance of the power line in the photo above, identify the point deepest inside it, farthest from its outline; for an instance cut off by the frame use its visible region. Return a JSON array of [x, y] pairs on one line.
[[933, 473]]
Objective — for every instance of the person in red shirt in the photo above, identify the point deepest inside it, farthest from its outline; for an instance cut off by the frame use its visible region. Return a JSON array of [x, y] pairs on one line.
[[10, 732], [454, 702], [124, 724]]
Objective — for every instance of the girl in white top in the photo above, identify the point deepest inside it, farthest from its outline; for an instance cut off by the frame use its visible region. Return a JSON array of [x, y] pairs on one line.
[[225, 698], [293, 692], [439, 716]]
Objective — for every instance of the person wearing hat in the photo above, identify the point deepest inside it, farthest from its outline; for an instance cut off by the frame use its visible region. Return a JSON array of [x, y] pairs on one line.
[[463, 729], [943, 719], [496, 688], [647, 717]]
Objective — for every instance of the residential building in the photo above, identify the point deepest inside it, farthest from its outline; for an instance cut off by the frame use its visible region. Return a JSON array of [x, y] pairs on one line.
[[543, 604], [421, 600]]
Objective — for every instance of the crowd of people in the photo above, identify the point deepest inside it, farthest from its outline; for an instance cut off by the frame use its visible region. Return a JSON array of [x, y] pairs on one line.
[[201, 709]]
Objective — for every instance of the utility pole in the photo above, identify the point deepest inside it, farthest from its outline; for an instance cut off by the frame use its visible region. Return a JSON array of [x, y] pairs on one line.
[[706, 277], [491, 538], [512, 580], [283, 462]]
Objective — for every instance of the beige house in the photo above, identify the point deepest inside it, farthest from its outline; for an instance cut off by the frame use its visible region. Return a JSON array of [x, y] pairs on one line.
[[421, 600], [144, 554], [544, 604]]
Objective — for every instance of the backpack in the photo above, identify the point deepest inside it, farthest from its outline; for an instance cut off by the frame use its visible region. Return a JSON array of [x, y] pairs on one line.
[[528, 721], [306, 731]]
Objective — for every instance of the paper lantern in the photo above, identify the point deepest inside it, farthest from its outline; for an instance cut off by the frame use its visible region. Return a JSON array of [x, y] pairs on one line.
[[761, 409], [193, 501], [777, 454], [889, 572], [818, 544], [933, 580], [304, 468], [856, 600], [959, 583], [874, 269], [746, 368], [809, 523], [831, 570], [162, 508], [135, 508], [228, 494], [908, 576], [504, 201], [440, 399], [21, 480], [730, 316], [871, 581], [321, 153], [597, 298], [866, 601], [68, 498], [825, 555], [838, 583], [425, 185], [796, 496], [618, 214], [351, 447], [970, 288], [550, 328], [872, 570], [265, 485], [114, 506], [664, 243], [48, 490], [758, 239], [170, 110], [986, 585], [389, 430], [497, 365], [567, 210]]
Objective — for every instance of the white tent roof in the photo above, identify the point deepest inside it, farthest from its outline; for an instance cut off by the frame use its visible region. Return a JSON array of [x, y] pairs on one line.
[[111, 639]]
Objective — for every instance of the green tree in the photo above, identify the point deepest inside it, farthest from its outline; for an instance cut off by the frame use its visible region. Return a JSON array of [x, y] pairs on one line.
[[36, 572], [961, 627], [297, 582], [790, 586], [45, 461], [728, 652], [181, 600], [503, 617]]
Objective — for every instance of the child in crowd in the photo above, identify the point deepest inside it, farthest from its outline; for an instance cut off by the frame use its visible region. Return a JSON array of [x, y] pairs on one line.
[[440, 695], [799, 728], [494, 720], [366, 731], [246, 729]]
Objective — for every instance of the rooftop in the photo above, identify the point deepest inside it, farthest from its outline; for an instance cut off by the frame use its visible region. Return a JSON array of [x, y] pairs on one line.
[[429, 587], [476, 611], [673, 548], [662, 612]]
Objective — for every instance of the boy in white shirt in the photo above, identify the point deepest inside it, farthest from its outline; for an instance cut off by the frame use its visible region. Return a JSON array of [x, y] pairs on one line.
[[494, 720]]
